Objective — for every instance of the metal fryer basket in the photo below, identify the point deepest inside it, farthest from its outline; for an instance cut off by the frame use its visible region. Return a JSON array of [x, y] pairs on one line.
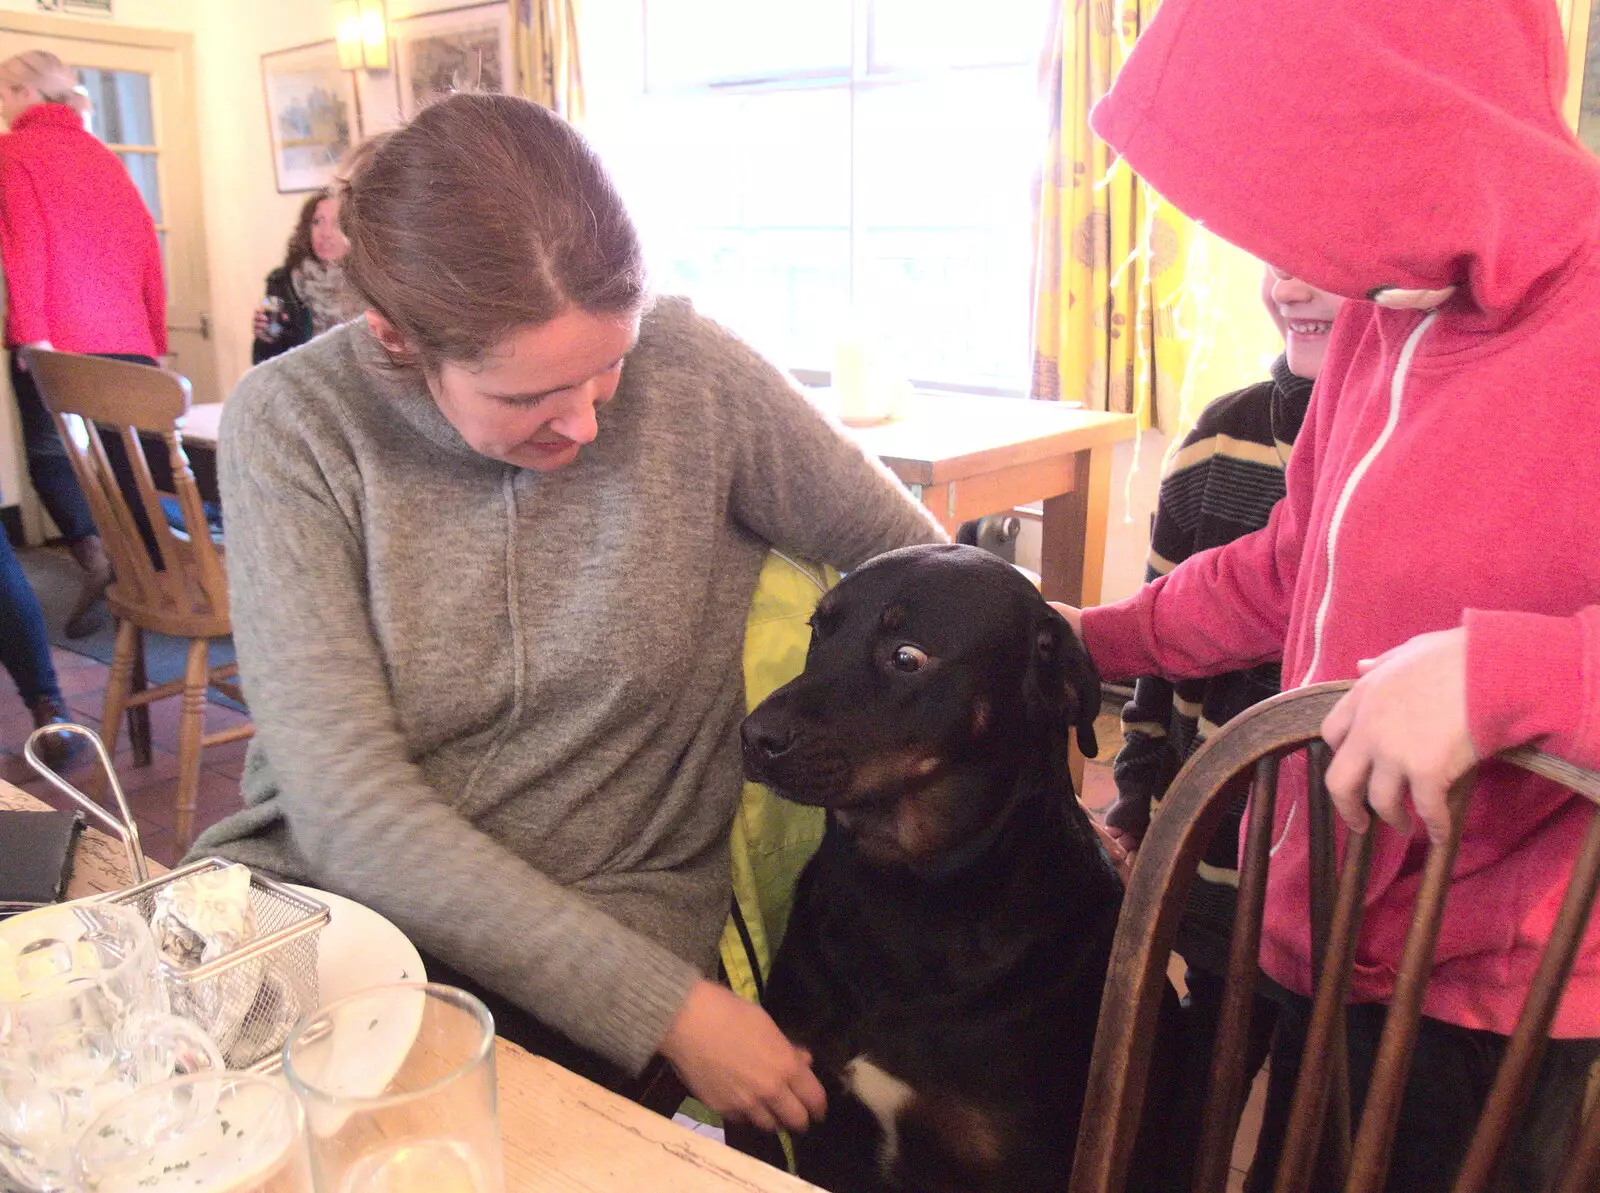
[[249, 999]]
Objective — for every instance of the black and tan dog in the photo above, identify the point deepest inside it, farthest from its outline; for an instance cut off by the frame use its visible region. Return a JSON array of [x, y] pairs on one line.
[[949, 941]]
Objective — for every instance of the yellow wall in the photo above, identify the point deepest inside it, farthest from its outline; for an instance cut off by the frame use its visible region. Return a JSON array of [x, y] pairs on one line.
[[247, 221]]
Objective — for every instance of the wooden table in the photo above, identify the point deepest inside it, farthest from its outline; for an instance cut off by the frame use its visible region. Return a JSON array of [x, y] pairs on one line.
[[966, 457], [201, 423], [562, 1134]]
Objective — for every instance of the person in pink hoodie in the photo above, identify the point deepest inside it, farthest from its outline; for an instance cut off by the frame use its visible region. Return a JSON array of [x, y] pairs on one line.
[[1437, 536]]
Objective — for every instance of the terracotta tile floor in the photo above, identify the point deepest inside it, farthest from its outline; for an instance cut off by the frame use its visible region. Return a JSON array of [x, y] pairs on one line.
[[151, 790]]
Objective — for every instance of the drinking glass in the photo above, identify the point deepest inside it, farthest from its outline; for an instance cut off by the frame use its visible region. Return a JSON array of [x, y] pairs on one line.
[[84, 1021], [398, 1086], [209, 1133], [272, 308]]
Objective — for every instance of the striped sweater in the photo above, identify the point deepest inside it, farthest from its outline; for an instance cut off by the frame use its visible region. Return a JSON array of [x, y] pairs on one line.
[[1221, 484]]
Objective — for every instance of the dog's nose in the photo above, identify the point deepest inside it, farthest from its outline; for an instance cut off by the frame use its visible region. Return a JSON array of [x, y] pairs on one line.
[[764, 742]]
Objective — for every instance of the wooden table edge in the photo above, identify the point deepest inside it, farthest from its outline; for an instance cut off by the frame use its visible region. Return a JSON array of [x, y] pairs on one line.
[[1108, 429], [720, 1166]]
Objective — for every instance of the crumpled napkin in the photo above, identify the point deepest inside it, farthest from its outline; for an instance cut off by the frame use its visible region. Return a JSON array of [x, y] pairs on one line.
[[206, 916]]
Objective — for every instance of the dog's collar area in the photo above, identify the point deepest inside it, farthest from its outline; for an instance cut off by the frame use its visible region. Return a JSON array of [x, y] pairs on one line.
[[966, 854]]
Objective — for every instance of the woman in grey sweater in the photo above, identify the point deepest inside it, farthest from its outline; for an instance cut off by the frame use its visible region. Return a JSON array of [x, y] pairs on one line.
[[491, 549]]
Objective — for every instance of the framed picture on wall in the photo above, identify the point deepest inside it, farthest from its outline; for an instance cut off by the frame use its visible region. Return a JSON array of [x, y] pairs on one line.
[[311, 114], [457, 49]]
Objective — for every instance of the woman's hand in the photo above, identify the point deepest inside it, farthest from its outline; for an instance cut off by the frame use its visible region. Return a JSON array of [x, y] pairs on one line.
[[733, 1058], [1403, 726], [259, 323]]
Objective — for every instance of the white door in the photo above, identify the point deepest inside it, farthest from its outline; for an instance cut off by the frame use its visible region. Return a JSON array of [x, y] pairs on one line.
[[141, 83]]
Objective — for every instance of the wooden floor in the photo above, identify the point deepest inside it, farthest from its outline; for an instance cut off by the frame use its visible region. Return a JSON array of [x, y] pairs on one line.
[[151, 789]]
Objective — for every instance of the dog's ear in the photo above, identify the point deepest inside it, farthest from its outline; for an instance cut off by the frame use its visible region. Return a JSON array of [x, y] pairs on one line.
[[1086, 680], [1059, 664]]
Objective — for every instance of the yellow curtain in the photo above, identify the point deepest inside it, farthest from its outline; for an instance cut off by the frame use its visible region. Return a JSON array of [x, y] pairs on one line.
[[1110, 303], [544, 47], [1576, 18]]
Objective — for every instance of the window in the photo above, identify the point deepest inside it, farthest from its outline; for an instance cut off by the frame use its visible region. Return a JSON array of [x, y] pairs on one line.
[[804, 168], [122, 116]]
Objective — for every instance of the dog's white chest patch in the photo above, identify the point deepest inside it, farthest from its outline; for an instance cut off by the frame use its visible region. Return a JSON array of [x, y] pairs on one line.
[[886, 1096]]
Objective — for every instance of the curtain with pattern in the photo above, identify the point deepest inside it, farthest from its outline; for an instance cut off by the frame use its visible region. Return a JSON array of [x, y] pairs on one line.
[[1109, 303], [544, 48]]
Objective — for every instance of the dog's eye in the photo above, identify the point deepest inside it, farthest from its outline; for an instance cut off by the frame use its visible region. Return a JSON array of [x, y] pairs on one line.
[[908, 659]]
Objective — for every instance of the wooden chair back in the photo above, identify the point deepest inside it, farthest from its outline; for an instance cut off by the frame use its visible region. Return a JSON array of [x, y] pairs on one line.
[[91, 397], [1258, 740]]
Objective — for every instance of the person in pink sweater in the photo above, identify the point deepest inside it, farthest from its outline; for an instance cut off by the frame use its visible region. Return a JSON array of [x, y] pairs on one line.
[[1437, 536]]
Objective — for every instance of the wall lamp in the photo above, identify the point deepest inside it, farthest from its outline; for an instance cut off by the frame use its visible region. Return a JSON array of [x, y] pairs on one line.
[[362, 30]]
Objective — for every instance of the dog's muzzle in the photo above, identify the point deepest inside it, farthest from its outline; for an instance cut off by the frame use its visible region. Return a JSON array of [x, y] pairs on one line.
[[795, 763], [764, 745]]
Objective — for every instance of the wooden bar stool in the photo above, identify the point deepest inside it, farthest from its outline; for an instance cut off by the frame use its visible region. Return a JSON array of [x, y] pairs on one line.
[[1258, 740], [184, 592]]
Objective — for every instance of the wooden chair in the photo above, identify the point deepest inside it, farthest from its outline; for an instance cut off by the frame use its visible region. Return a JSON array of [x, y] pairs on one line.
[[185, 594], [1259, 739]]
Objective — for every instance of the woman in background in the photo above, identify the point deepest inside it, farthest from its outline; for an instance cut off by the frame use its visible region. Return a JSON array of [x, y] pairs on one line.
[[83, 274], [25, 654], [309, 287]]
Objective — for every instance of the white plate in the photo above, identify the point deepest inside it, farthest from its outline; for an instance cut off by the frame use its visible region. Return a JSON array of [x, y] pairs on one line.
[[359, 948]]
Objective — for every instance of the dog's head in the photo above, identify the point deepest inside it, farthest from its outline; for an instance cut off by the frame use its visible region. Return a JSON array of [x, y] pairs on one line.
[[936, 678]]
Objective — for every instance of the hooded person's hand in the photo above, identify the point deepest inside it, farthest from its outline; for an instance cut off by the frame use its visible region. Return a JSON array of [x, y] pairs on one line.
[[1400, 736]]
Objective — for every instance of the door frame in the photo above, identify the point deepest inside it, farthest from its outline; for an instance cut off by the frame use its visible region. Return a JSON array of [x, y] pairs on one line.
[[182, 108], [180, 121]]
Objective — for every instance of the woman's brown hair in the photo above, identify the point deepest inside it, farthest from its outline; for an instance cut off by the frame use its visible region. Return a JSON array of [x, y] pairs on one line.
[[300, 240], [484, 214]]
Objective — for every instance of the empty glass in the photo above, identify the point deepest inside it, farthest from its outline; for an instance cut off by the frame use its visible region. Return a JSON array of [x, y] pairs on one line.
[[83, 1023], [209, 1133], [398, 1086], [272, 308]]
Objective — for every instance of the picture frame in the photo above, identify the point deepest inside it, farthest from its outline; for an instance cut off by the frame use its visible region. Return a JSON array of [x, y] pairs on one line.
[[454, 49], [313, 118]]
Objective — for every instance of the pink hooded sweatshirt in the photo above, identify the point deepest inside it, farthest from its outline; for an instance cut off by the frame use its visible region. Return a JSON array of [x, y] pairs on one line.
[[1448, 472]]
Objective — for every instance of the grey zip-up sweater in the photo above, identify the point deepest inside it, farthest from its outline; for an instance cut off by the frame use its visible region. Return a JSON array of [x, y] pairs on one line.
[[501, 707]]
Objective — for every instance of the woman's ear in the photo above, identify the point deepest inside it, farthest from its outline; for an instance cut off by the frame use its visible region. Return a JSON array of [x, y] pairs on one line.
[[390, 336]]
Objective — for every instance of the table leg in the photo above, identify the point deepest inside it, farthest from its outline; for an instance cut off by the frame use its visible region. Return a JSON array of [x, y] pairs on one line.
[[1073, 538], [939, 500]]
